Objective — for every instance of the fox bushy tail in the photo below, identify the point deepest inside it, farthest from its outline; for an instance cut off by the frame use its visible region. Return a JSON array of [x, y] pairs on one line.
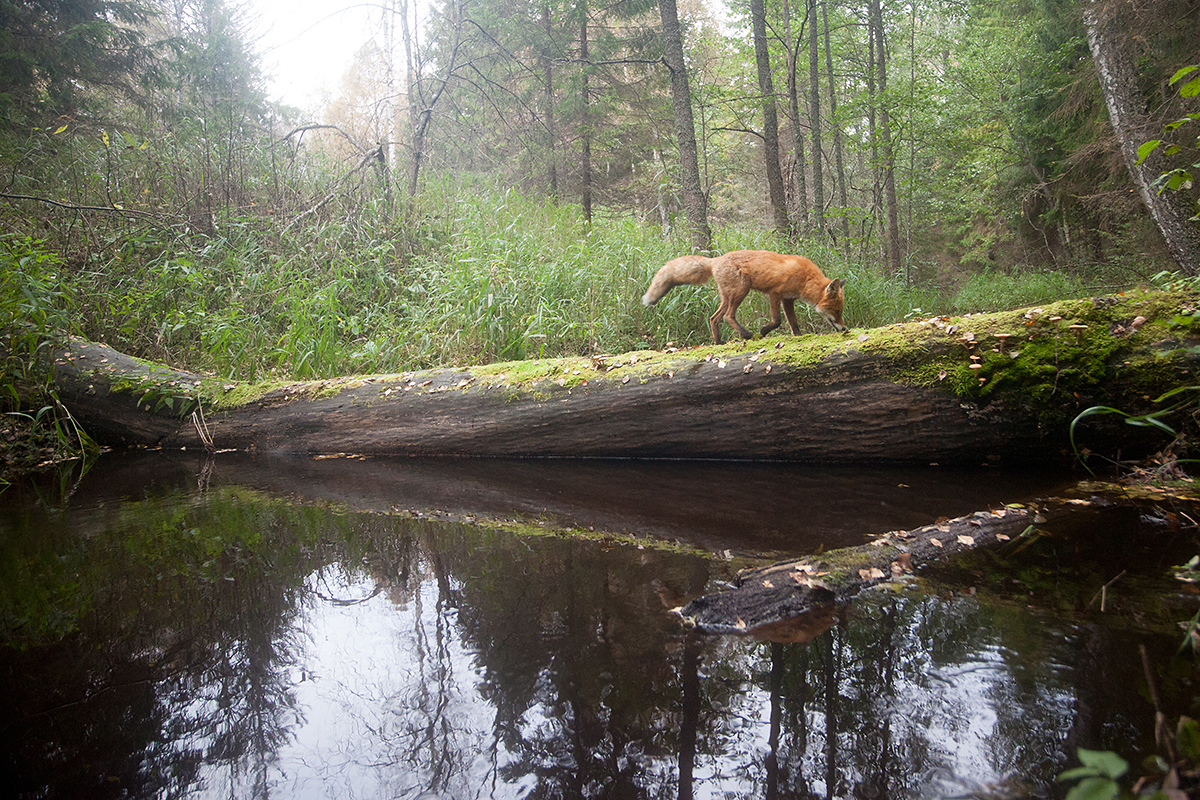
[[678, 271]]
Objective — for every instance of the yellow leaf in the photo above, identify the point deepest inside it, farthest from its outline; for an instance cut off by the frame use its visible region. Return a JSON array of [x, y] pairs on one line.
[[60, 130], [104, 137]]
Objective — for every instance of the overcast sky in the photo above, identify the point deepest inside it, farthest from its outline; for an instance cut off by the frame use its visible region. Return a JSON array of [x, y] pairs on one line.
[[308, 44]]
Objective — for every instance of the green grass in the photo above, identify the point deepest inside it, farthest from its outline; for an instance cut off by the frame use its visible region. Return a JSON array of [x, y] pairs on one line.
[[473, 273]]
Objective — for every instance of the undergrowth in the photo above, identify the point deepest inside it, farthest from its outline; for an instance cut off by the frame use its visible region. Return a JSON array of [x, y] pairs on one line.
[[470, 274]]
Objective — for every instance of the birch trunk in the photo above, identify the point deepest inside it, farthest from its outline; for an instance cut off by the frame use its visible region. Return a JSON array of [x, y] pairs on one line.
[[1109, 40]]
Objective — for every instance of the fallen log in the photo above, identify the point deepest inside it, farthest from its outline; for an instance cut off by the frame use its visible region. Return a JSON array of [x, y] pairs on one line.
[[982, 388], [767, 597], [796, 599]]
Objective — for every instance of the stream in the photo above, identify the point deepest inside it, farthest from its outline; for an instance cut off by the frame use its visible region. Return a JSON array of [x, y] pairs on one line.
[[176, 626]]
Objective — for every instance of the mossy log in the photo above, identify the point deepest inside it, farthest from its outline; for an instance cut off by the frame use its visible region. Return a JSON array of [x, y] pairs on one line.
[[768, 598], [797, 599], [980, 388]]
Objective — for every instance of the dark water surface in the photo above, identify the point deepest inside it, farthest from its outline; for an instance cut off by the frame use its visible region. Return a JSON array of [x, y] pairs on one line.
[[340, 628]]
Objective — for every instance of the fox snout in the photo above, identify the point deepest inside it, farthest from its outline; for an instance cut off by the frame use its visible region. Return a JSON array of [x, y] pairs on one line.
[[831, 303]]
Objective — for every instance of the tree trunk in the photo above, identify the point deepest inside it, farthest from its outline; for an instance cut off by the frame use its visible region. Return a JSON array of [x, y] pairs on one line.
[[837, 131], [548, 94], [797, 127], [1108, 38], [874, 223], [889, 158], [585, 103], [766, 88], [920, 392], [814, 117], [695, 202], [420, 106]]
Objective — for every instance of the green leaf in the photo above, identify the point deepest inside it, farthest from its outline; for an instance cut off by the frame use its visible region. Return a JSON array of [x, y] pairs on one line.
[[1178, 179], [1183, 72], [1106, 761], [1191, 88], [1094, 789], [1187, 738], [1147, 148]]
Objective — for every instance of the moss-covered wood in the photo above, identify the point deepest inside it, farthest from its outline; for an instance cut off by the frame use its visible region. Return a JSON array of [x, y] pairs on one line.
[[989, 387], [801, 595], [769, 596]]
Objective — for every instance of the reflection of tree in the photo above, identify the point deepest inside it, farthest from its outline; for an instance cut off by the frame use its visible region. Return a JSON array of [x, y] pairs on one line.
[[577, 650], [158, 650], [178, 654]]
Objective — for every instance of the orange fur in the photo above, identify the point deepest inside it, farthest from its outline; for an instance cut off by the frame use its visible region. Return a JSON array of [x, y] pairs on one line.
[[784, 279]]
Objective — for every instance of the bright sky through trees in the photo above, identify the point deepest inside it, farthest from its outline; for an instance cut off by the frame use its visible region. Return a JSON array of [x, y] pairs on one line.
[[308, 44]]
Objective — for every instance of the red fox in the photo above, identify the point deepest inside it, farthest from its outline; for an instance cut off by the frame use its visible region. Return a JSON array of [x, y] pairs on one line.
[[783, 278]]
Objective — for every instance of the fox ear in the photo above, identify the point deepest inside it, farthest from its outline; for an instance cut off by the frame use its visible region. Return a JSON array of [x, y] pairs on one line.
[[834, 285]]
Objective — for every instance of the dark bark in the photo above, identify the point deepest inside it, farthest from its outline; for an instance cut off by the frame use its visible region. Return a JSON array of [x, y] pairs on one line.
[[888, 167], [766, 88], [695, 202], [586, 126], [548, 95], [814, 117], [1109, 39], [797, 127], [837, 131], [828, 398]]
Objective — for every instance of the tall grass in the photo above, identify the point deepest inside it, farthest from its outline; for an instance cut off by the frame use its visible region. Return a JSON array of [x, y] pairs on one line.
[[472, 273]]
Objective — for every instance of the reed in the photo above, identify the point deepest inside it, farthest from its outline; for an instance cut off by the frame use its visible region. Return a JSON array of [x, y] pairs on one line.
[[472, 273]]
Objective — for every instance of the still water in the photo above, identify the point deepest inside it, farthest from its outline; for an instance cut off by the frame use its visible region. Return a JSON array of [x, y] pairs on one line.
[[341, 628]]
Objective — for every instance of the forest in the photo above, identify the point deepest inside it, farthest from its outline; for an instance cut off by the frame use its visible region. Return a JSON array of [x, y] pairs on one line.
[[497, 180]]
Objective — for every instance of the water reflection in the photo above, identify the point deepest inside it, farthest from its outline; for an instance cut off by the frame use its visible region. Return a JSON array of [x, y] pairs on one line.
[[183, 639]]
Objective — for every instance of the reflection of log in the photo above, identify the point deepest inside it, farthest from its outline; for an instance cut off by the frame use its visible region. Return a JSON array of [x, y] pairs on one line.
[[939, 390], [800, 593], [769, 595]]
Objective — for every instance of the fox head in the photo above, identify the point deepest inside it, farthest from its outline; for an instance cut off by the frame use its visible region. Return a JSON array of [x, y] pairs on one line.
[[831, 302]]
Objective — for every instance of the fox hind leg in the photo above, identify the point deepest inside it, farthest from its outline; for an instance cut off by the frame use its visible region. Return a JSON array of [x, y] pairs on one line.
[[728, 311], [715, 320], [774, 316], [736, 296]]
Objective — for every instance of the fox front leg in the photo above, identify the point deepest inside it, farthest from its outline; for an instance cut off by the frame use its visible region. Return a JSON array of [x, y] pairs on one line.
[[789, 308], [774, 317]]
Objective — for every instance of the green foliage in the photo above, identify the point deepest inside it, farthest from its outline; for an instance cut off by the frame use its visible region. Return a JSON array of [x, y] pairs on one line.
[[1184, 399], [1179, 178], [992, 290], [32, 311], [33, 322], [1097, 777], [54, 55]]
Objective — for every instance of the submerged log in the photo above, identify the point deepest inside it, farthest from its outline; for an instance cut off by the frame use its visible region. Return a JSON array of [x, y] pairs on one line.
[[768, 597], [982, 388], [793, 600]]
